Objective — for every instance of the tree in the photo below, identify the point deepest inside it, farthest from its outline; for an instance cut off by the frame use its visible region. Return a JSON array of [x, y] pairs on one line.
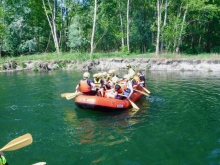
[[93, 28], [158, 27], [51, 17]]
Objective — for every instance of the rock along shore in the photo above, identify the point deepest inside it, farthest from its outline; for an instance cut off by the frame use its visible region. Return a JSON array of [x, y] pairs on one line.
[[117, 63]]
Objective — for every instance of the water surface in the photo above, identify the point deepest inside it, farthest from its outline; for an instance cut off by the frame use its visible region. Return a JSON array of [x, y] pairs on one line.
[[178, 124]]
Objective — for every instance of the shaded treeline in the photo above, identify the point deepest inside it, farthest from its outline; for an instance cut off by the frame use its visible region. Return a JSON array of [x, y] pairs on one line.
[[140, 26]]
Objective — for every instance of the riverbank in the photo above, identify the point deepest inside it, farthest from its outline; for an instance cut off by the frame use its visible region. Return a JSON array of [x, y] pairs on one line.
[[104, 64]]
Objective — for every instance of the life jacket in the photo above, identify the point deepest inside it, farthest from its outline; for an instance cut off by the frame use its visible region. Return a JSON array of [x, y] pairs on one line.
[[131, 72], [84, 86], [137, 79], [109, 77], [97, 83]]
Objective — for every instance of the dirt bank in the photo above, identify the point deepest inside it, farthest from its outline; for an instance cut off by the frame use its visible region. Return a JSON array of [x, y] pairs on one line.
[[116, 63]]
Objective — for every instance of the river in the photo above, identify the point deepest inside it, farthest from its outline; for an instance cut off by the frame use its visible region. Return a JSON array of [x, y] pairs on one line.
[[179, 124]]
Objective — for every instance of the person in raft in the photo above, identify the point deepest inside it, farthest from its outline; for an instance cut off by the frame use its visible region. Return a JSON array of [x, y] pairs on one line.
[[116, 90], [131, 71], [134, 81], [85, 85], [3, 159], [128, 90], [105, 79], [141, 79], [98, 84]]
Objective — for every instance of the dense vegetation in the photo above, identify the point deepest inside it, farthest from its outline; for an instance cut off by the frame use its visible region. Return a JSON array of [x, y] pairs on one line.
[[84, 26]]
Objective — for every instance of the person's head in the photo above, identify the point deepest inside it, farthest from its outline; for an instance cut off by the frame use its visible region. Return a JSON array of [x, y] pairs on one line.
[[110, 72], [115, 80], [95, 76], [86, 75], [128, 65], [100, 75], [139, 73], [113, 71]]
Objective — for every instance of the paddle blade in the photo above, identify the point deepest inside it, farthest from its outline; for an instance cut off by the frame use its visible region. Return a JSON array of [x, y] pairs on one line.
[[17, 143], [64, 94], [72, 95], [134, 105], [40, 163]]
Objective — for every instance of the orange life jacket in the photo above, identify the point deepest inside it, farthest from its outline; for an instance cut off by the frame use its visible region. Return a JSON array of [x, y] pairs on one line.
[[84, 86]]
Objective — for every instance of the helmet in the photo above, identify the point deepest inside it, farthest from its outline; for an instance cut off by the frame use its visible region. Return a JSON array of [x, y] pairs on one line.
[[100, 75], [128, 65], [104, 73], [110, 71], [113, 71], [127, 76], [115, 79], [86, 75], [95, 75]]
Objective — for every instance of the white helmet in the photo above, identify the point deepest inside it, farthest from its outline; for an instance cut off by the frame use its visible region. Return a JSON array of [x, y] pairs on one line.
[[115, 80], [104, 73], [110, 71], [86, 75], [95, 75]]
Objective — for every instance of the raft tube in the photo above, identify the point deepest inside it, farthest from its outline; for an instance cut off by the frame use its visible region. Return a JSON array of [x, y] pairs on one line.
[[105, 104]]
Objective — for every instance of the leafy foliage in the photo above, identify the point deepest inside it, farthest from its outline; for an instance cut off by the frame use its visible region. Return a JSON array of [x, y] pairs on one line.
[[24, 28]]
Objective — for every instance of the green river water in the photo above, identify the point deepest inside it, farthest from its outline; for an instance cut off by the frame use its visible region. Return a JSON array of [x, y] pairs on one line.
[[179, 124]]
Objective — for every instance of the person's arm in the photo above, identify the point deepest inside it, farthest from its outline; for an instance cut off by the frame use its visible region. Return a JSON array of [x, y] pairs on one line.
[[77, 88], [131, 88]]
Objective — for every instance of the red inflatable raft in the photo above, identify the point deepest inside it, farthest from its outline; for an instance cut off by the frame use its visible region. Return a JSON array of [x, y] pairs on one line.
[[105, 104]]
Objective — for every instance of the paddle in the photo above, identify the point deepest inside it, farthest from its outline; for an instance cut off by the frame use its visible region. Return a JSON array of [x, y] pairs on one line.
[[146, 94], [132, 103], [40, 163], [146, 90], [72, 95], [64, 94], [17, 143]]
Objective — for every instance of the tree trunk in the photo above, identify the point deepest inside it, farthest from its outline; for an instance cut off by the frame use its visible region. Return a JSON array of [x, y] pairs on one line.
[[128, 26], [181, 31], [93, 29], [164, 25], [122, 27], [158, 27], [52, 23], [175, 30]]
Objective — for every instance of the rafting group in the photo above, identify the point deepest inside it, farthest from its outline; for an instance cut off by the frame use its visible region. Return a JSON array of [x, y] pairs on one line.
[[107, 92], [109, 85]]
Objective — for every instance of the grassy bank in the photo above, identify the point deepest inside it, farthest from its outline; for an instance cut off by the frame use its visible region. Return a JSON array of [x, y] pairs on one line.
[[84, 57]]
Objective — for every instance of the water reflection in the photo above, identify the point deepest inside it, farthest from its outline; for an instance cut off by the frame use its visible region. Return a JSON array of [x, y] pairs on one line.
[[104, 128]]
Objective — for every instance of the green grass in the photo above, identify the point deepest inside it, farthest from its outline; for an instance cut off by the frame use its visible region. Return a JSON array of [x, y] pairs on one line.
[[85, 57]]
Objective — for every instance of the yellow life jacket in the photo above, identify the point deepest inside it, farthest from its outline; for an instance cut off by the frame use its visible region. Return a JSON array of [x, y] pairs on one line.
[[97, 83]]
